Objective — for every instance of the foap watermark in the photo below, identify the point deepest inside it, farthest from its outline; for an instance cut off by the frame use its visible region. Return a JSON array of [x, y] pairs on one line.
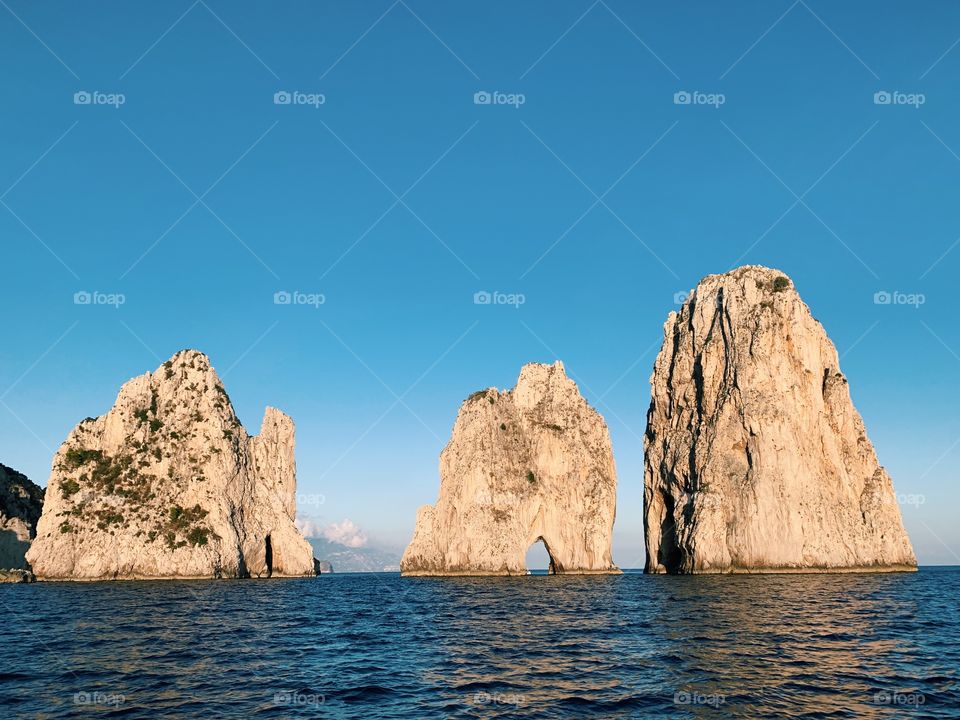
[[915, 499], [83, 297], [295, 97], [883, 297], [497, 698], [695, 97], [500, 499], [685, 697], [681, 296], [284, 297], [99, 698], [482, 97], [298, 698], [705, 499], [303, 499], [482, 297], [902, 699], [86, 97], [895, 97]]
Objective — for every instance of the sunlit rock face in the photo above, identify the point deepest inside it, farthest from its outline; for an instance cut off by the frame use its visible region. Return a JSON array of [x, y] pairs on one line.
[[756, 459], [21, 502], [168, 484], [532, 463]]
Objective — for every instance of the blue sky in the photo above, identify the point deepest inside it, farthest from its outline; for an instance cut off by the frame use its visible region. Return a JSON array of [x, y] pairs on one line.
[[598, 199]]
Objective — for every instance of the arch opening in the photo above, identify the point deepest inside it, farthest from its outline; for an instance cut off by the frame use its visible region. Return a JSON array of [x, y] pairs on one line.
[[539, 560], [268, 555]]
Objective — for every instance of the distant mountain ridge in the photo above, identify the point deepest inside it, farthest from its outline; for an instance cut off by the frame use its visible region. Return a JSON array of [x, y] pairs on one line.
[[360, 559]]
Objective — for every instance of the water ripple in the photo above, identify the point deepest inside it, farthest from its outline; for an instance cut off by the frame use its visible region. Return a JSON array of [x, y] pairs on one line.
[[379, 646]]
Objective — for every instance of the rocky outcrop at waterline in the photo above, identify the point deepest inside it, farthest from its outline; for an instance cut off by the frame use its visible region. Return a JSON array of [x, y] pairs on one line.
[[21, 503], [17, 575], [168, 484], [756, 459], [528, 464]]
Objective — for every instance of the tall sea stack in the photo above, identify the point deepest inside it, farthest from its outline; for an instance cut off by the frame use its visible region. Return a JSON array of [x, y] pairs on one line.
[[169, 485], [528, 464], [756, 459]]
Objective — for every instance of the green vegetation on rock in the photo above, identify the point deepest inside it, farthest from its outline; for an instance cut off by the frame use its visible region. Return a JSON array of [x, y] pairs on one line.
[[185, 522], [69, 487]]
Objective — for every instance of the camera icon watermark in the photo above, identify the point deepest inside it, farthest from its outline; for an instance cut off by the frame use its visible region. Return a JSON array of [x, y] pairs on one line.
[[485, 498], [482, 97], [685, 697], [298, 698], [914, 499], [704, 499], [895, 97], [884, 697], [95, 97], [295, 97], [681, 296], [312, 499], [99, 698], [497, 698], [695, 97], [482, 297], [284, 297], [83, 297], [883, 297]]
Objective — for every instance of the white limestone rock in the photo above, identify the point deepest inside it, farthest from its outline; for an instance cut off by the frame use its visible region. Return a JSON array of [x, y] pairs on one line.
[[532, 463], [168, 484], [756, 459]]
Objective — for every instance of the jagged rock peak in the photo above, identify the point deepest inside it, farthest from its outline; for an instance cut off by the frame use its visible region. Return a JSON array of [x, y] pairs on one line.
[[756, 459], [522, 465], [169, 484], [21, 502]]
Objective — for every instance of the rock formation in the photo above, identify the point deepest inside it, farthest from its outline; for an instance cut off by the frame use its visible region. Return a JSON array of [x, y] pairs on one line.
[[168, 484], [532, 463], [21, 502], [756, 459], [17, 576]]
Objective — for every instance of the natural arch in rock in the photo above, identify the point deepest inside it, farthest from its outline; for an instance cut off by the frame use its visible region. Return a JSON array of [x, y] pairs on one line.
[[532, 463], [535, 561]]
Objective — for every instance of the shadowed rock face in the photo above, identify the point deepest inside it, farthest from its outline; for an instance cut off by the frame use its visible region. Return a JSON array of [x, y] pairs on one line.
[[21, 502], [756, 459], [533, 463], [168, 484]]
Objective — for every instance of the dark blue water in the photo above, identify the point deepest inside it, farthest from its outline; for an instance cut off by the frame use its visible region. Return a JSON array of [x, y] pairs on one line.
[[381, 646]]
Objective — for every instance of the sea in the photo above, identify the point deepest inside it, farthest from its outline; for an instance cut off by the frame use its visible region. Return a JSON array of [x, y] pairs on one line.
[[381, 646]]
